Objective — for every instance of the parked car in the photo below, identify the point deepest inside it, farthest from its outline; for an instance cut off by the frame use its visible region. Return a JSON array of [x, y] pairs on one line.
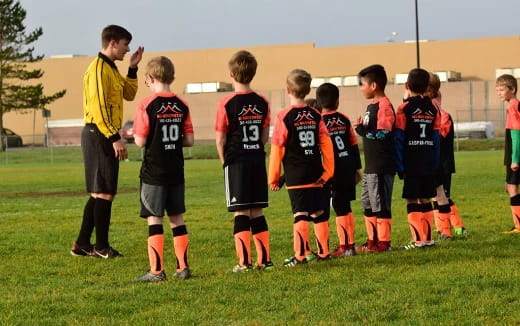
[[127, 132], [11, 139]]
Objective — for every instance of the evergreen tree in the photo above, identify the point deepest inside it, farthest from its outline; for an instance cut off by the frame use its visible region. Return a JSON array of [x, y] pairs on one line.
[[16, 90]]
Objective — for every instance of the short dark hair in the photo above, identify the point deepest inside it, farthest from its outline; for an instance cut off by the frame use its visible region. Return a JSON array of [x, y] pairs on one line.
[[375, 74], [418, 80], [116, 33], [242, 66], [327, 95]]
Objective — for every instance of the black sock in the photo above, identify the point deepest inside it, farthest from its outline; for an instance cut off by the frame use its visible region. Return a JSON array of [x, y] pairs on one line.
[[87, 225], [102, 215]]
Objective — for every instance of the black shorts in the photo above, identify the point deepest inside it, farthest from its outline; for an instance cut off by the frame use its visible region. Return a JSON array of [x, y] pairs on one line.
[[156, 199], [419, 187], [246, 184], [512, 177], [308, 200], [340, 201], [101, 164], [443, 179]]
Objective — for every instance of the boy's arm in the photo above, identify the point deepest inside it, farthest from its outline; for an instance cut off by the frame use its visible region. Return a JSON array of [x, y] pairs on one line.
[[188, 137], [275, 166], [220, 141], [515, 152], [400, 125], [264, 136], [141, 125], [437, 140], [327, 154]]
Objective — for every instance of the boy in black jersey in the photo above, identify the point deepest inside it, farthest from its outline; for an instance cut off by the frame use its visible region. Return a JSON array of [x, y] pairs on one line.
[[417, 156], [242, 129], [347, 163], [162, 125], [301, 142], [376, 128]]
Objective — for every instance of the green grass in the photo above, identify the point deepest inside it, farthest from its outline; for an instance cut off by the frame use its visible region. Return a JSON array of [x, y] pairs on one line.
[[468, 281]]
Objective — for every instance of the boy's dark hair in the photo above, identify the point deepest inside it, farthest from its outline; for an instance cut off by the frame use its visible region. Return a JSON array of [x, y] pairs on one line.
[[418, 80], [116, 33], [242, 66], [327, 95], [375, 74]]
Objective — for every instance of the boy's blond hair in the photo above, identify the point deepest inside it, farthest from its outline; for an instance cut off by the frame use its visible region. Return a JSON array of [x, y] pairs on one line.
[[242, 66], [162, 69], [299, 83], [434, 85], [508, 81]]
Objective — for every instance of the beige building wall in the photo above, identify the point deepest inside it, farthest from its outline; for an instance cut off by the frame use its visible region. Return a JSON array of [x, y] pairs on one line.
[[475, 59]]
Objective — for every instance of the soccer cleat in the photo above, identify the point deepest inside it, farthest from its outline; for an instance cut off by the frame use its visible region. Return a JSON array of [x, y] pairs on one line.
[[81, 251], [265, 267], [107, 253], [240, 269], [328, 257], [369, 246], [413, 245], [444, 237], [382, 246], [429, 244], [463, 231], [311, 257], [183, 274], [513, 230], [344, 250], [292, 262], [150, 277]]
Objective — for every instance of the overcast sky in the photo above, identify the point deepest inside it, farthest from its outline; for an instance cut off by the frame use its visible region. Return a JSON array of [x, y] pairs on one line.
[[74, 26]]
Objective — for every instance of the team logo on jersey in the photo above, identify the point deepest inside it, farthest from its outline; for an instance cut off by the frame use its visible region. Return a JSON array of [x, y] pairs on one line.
[[304, 116], [250, 110], [169, 107]]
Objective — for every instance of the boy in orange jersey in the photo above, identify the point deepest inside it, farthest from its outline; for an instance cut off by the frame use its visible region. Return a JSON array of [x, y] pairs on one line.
[[301, 142], [242, 129], [162, 125], [417, 156], [347, 163], [506, 87], [445, 211], [376, 128]]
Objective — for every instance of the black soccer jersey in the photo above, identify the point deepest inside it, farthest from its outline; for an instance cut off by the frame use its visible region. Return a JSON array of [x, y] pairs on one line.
[[417, 136], [346, 151], [163, 119], [242, 116], [377, 132]]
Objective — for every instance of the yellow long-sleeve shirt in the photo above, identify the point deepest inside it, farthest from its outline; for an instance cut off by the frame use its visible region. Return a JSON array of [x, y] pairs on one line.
[[103, 92]]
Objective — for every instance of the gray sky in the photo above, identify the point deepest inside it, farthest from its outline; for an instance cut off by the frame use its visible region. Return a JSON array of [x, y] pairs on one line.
[[74, 26]]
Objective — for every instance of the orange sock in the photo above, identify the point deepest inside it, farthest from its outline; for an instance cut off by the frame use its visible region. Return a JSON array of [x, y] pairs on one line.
[[321, 230], [427, 211], [155, 248], [516, 216], [345, 228], [242, 235], [415, 221], [455, 219], [443, 217], [180, 245], [384, 228], [436, 215], [301, 236], [261, 238]]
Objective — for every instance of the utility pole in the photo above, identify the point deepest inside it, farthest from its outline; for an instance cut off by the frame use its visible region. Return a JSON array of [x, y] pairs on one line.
[[417, 35]]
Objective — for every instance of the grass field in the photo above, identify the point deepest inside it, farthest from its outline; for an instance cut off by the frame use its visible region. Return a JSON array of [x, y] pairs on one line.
[[467, 281]]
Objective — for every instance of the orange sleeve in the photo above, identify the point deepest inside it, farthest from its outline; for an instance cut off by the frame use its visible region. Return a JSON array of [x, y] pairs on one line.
[[400, 118], [275, 164], [280, 132], [327, 152], [445, 124], [221, 121], [188, 126], [385, 115], [141, 125]]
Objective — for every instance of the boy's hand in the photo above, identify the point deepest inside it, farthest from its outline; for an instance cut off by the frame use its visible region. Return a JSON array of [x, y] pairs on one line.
[[274, 187], [136, 57], [320, 181], [514, 166]]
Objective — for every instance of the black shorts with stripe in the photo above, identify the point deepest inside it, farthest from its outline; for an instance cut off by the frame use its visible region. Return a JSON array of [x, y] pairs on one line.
[[246, 184], [101, 164]]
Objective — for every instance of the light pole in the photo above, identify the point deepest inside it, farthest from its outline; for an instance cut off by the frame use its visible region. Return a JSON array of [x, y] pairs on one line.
[[417, 35]]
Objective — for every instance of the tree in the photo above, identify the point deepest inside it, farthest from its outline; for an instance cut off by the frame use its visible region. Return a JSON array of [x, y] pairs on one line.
[[16, 91]]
